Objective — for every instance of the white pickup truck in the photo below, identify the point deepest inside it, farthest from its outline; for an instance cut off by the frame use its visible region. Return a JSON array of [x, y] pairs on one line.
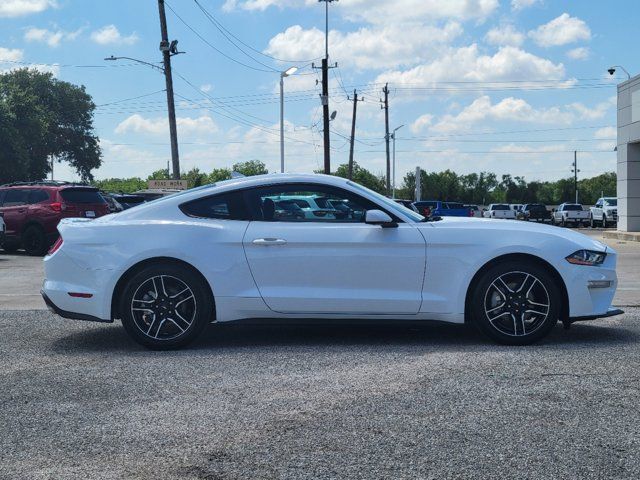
[[605, 212], [570, 214], [500, 210]]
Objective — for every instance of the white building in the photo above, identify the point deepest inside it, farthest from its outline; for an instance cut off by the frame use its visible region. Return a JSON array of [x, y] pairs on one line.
[[629, 155]]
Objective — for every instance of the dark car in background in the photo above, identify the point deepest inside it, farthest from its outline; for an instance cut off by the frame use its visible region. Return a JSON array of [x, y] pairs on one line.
[[437, 208], [128, 200], [33, 210], [536, 212]]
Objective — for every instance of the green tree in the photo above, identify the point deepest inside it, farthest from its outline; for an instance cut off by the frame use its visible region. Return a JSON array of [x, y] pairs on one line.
[[250, 168], [195, 178], [218, 175], [46, 118], [161, 174], [363, 176], [121, 185]]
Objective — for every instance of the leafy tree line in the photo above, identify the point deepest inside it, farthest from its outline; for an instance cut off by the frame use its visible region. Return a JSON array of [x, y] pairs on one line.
[[43, 118], [485, 187]]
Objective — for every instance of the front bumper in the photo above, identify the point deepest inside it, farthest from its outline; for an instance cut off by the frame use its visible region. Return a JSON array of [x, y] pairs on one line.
[[71, 315], [612, 312]]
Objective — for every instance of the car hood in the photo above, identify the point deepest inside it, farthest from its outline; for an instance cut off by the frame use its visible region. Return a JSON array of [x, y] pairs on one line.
[[519, 228]]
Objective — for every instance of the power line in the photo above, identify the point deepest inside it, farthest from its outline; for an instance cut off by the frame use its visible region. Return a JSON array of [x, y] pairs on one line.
[[224, 31], [270, 69]]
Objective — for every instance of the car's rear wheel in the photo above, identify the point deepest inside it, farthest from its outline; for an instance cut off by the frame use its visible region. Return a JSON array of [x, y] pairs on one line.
[[515, 303], [165, 306], [34, 241]]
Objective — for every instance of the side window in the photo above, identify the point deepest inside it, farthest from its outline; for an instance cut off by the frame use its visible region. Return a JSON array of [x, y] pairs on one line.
[[307, 203], [224, 206], [1, 197], [16, 197], [37, 196]]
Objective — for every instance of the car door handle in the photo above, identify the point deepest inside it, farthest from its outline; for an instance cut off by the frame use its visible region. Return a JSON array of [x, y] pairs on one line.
[[266, 242]]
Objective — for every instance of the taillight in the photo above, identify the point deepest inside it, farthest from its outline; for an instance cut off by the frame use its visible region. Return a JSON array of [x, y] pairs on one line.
[[56, 207], [56, 246]]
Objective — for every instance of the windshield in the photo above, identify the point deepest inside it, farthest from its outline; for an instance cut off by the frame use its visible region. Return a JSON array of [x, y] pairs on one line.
[[390, 204], [573, 207], [500, 207], [611, 202]]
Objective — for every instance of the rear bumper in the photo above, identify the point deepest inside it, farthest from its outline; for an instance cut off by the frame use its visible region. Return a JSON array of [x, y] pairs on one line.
[[71, 315], [612, 312]]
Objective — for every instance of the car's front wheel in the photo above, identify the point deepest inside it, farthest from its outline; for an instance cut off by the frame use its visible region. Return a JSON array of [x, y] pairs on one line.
[[165, 306], [515, 303]]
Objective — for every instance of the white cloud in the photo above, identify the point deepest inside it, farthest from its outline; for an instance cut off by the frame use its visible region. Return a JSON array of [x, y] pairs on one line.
[[50, 37], [421, 123], [110, 35], [562, 30], [522, 4], [605, 133], [187, 126], [384, 11], [206, 88], [580, 53], [517, 110], [18, 8], [504, 35], [368, 47], [466, 63], [10, 54]]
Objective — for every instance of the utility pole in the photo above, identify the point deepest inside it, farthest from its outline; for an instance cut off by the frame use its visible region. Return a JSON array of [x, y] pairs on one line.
[[166, 49], [385, 90], [418, 192], [353, 131], [325, 91], [575, 173]]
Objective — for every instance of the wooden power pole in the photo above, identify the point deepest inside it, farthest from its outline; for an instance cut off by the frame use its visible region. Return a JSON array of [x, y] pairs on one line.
[[166, 49], [353, 132]]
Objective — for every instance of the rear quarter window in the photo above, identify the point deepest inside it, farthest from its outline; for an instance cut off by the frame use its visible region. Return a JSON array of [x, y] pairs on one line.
[[81, 196], [225, 206]]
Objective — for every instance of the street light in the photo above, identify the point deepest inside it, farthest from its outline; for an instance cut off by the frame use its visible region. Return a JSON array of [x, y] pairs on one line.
[[286, 73], [612, 70], [393, 135], [152, 65]]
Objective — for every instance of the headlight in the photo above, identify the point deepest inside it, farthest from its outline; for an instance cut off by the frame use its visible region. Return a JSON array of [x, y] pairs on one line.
[[587, 257]]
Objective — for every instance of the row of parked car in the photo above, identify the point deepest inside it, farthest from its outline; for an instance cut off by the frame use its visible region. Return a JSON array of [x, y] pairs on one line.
[[604, 213], [30, 211]]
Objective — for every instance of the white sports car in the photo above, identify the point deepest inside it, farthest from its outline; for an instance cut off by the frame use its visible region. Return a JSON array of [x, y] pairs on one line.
[[219, 253]]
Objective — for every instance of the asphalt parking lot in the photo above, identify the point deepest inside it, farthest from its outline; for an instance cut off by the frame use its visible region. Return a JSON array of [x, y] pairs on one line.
[[81, 400]]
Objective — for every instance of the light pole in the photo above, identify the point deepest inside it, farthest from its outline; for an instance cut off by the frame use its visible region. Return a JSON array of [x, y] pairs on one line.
[[393, 135], [286, 73]]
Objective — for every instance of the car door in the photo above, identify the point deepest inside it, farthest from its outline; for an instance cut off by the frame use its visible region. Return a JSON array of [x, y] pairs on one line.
[[14, 207], [597, 210], [329, 265]]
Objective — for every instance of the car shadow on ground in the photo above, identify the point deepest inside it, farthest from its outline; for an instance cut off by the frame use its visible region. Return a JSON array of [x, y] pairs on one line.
[[424, 336]]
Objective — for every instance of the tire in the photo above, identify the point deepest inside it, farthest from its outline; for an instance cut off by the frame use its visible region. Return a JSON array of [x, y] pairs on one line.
[[563, 223], [495, 309], [553, 221], [34, 241], [165, 322], [604, 221]]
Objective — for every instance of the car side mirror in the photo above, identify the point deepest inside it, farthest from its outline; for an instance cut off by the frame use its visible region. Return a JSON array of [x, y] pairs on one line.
[[378, 217]]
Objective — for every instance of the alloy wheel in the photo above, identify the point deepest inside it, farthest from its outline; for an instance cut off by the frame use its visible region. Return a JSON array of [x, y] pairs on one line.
[[163, 307], [517, 304]]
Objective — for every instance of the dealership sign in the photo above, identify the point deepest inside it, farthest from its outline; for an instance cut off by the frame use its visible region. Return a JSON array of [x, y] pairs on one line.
[[168, 184]]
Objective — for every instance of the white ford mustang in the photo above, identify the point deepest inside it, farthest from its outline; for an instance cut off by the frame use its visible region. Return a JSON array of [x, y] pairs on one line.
[[227, 251]]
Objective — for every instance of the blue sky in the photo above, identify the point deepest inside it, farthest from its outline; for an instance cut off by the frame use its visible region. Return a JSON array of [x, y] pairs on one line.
[[510, 86]]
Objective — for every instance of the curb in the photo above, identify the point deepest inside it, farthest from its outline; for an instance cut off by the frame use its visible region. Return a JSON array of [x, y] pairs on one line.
[[628, 236]]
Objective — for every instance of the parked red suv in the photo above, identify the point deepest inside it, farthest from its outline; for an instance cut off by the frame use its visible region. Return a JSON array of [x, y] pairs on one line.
[[32, 212]]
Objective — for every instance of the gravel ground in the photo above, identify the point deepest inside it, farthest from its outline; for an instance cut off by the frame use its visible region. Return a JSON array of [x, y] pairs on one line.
[[82, 401]]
